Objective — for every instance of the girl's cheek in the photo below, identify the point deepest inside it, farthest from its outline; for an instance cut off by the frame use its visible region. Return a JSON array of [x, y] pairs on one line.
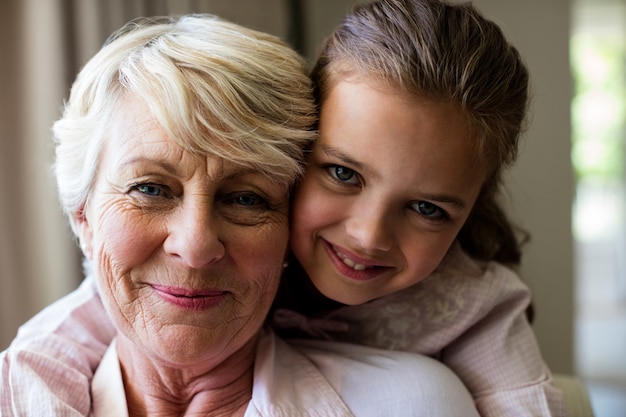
[[315, 205], [310, 215]]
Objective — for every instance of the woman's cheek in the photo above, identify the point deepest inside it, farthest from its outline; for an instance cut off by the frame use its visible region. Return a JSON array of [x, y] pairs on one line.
[[122, 245], [130, 235]]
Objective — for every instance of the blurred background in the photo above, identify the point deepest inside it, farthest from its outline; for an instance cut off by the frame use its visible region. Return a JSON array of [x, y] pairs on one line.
[[567, 189]]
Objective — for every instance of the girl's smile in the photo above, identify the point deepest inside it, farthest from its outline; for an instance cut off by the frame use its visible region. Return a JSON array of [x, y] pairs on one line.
[[354, 266]]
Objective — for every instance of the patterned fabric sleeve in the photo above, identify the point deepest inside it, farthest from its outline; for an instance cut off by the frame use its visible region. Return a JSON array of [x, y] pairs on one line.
[[498, 357], [47, 369], [469, 315]]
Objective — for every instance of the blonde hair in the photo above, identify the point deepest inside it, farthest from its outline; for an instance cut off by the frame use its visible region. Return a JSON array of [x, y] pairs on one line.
[[449, 52], [215, 87]]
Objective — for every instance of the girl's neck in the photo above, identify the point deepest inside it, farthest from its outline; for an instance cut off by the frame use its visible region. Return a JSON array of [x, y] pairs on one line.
[[297, 293]]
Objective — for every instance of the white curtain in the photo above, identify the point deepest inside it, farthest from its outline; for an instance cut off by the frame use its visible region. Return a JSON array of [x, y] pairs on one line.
[[43, 44]]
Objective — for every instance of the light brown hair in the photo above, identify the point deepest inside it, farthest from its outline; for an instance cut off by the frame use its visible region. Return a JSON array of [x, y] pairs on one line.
[[442, 51]]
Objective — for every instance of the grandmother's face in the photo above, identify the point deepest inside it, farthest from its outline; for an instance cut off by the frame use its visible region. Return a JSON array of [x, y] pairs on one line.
[[187, 249]]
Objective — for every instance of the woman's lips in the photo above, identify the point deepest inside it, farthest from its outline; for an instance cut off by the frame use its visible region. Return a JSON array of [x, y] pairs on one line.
[[189, 299]]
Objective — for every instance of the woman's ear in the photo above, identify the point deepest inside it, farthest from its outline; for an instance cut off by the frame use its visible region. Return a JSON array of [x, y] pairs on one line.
[[83, 229]]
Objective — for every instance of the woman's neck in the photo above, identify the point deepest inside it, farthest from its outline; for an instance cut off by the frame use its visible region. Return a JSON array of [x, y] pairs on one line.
[[151, 388]]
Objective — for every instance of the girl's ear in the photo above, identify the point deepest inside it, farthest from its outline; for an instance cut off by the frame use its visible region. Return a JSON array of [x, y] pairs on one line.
[[83, 228]]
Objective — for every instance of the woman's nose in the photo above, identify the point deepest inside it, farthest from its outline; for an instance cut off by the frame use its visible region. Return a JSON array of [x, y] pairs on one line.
[[370, 229], [194, 236]]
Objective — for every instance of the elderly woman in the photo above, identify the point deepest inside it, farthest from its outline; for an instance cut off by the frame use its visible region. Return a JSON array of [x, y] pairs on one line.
[[175, 156]]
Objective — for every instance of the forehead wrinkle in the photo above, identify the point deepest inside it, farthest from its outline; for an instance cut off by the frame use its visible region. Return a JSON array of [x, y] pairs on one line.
[[215, 167], [152, 153], [138, 160]]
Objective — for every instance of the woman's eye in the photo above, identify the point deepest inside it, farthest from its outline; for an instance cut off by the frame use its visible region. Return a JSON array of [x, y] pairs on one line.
[[244, 200], [248, 200], [246, 209], [343, 174], [429, 210], [151, 190]]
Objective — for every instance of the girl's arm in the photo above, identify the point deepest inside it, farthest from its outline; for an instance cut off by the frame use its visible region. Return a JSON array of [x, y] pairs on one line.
[[47, 369], [498, 357]]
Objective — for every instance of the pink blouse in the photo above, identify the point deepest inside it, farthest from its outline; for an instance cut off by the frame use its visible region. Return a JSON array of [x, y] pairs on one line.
[[469, 315]]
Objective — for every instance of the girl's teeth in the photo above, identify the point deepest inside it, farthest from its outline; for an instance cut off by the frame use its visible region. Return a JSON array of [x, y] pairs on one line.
[[351, 263]]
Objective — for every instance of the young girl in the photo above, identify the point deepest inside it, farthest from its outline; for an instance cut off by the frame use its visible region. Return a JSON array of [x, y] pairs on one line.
[[396, 222], [421, 108]]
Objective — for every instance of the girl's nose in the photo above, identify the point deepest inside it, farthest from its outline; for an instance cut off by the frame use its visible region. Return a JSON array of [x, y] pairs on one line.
[[371, 229], [194, 236]]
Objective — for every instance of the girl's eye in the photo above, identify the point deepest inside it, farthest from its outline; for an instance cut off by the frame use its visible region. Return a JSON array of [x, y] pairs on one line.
[[343, 174], [428, 210]]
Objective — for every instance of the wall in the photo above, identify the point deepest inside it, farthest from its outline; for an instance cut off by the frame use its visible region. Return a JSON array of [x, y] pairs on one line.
[[541, 183]]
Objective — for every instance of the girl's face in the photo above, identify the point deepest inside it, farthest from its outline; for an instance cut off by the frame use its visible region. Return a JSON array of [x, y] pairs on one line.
[[389, 184]]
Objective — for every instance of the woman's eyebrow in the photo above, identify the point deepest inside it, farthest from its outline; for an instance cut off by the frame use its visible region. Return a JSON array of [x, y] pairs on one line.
[[230, 174], [143, 160]]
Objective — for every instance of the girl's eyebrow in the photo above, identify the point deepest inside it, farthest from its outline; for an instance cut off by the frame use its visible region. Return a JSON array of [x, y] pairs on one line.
[[342, 156], [446, 199]]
